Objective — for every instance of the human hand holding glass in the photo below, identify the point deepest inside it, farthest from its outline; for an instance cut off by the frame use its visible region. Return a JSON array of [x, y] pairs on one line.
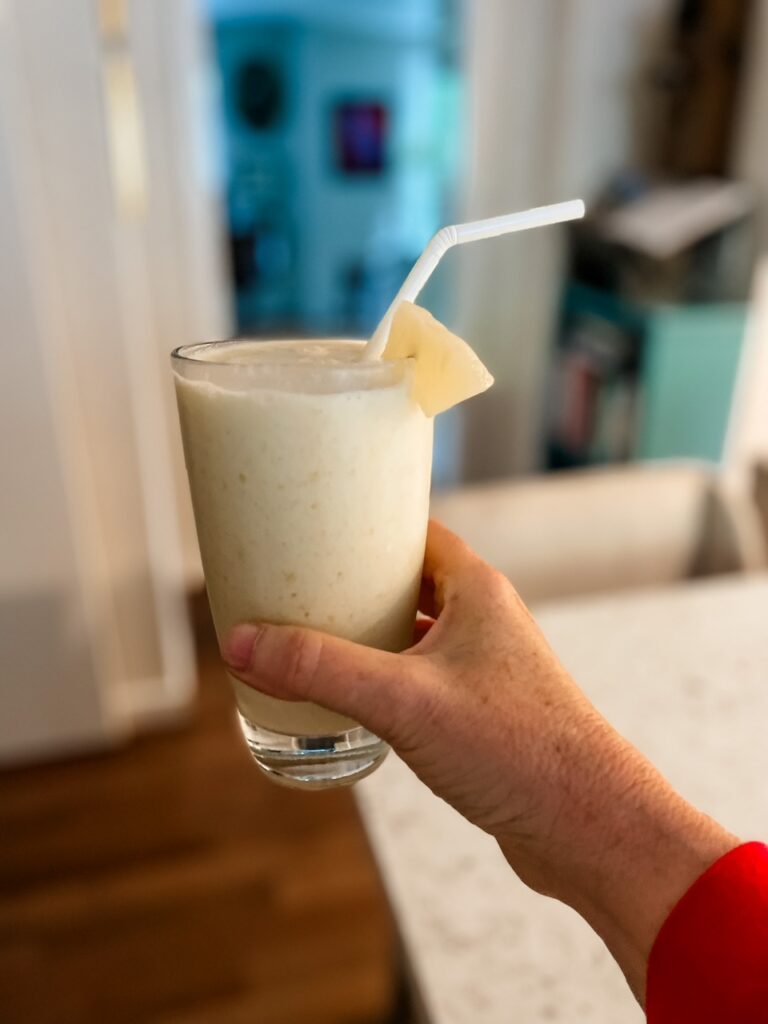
[[485, 714]]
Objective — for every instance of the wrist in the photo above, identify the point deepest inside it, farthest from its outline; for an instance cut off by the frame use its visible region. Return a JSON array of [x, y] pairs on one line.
[[620, 851]]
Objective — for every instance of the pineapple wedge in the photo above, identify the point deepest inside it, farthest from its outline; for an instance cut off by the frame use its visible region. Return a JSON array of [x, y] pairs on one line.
[[447, 371]]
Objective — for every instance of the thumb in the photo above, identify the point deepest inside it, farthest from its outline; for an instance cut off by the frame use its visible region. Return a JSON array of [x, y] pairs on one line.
[[380, 690]]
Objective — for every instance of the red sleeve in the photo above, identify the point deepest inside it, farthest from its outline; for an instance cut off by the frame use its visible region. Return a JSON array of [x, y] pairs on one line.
[[709, 963]]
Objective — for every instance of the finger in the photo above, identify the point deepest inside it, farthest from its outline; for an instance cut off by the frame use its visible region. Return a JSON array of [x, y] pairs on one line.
[[380, 690], [448, 564]]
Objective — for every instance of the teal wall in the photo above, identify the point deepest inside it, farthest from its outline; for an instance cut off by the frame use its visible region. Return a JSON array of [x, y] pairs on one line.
[[326, 223]]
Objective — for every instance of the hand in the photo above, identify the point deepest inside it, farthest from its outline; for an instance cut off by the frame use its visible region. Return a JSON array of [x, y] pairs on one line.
[[485, 714]]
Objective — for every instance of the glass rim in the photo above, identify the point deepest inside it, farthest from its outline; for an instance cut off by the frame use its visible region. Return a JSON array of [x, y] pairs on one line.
[[185, 354], [208, 362]]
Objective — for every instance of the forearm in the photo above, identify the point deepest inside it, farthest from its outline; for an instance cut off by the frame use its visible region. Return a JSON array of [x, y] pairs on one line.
[[621, 853]]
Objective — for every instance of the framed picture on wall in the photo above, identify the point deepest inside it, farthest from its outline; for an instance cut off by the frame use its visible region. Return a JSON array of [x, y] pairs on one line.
[[360, 136]]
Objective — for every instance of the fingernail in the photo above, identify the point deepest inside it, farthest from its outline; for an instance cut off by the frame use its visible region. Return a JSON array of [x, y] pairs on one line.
[[237, 649]]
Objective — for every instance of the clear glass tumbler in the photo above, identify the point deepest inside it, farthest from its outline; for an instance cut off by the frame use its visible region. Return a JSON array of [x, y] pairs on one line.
[[309, 470]]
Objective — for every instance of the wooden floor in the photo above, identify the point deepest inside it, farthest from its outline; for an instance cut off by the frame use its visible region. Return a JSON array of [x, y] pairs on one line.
[[169, 883]]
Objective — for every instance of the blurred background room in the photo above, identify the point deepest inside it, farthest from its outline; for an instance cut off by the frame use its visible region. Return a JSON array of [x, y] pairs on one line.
[[196, 169]]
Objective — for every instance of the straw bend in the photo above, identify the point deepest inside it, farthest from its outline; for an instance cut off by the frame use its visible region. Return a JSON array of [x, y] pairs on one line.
[[456, 234], [446, 237]]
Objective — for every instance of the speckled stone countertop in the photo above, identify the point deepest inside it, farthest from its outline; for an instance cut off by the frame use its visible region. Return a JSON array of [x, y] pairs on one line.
[[683, 672]]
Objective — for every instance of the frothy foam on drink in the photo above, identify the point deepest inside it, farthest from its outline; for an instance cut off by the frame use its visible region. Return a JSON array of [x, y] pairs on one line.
[[331, 366]]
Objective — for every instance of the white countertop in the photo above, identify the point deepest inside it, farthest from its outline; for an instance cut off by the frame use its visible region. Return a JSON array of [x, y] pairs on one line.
[[683, 673]]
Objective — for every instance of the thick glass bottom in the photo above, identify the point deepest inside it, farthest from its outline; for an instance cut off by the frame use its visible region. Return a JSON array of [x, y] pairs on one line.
[[314, 762]]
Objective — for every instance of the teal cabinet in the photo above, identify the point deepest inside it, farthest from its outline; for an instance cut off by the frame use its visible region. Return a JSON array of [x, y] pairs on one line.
[[641, 381], [690, 360]]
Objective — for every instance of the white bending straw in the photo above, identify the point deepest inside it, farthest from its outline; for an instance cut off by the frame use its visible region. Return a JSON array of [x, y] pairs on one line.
[[457, 234]]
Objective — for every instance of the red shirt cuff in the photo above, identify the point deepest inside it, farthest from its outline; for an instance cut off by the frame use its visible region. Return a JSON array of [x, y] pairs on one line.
[[709, 963]]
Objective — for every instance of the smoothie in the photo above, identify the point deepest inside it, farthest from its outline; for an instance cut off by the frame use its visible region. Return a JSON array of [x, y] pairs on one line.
[[309, 472]]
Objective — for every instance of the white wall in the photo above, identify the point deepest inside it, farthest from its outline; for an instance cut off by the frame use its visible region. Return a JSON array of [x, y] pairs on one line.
[[49, 668], [748, 435], [43, 618], [182, 240], [99, 286], [553, 105], [747, 439], [750, 161]]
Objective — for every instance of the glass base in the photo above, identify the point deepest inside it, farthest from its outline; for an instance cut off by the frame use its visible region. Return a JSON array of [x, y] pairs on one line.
[[314, 762]]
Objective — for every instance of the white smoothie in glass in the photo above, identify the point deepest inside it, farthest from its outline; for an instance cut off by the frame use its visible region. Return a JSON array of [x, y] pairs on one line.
[[310, 473], [309, 464]]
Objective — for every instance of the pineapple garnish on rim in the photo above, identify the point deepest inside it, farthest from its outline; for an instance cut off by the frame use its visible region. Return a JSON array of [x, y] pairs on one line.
[[446, 370]]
